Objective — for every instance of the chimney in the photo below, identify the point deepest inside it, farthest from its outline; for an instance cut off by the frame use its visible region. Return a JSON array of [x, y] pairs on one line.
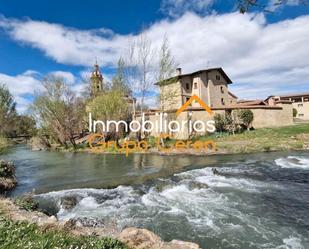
[[178, 71]]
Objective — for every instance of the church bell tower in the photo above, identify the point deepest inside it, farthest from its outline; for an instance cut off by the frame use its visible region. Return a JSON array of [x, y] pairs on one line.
[[96, 81]]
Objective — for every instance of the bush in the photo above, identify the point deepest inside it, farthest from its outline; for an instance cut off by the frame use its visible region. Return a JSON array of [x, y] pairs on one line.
[[152, 141], [294, 113], [27, 202], [225, 122], [246, 117], [219, 122], [7, 169]]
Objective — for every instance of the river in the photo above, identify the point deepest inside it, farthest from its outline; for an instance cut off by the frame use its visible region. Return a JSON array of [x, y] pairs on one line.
[[256, 201]]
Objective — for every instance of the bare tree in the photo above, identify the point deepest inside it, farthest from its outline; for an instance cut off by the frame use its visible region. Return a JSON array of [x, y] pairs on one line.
[[59, 112], [140, 66], [166, 71]]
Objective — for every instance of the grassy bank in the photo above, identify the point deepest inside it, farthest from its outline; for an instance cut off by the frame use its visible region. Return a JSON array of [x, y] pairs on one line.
[[25, 235], [293, 137]]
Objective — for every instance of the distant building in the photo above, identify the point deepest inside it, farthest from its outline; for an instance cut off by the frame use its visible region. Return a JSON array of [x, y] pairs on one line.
[[211, 86], [97, 87], [300, 103], [97, 81]]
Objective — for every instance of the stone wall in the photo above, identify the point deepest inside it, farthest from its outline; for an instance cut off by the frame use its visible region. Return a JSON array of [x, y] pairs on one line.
[[264, 117], [273, 117]]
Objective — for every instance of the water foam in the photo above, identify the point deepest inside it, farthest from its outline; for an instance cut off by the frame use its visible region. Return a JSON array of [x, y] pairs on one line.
[[293, 162], [219, 206]]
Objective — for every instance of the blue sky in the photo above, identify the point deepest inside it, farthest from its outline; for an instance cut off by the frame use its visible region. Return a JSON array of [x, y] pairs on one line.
[[264, 53]]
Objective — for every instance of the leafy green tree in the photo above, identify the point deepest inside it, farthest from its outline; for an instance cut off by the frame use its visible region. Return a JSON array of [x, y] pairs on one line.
[[59, 112], [110, 106], [25, 126], [7, 110], [246, 117]]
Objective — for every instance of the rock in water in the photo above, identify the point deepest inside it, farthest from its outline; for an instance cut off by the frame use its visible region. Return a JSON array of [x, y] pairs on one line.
[[197, 185], [68, 202]]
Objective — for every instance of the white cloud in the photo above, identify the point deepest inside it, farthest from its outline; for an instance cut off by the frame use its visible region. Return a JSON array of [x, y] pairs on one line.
[[21, 85], [67, 76], [260, 58], [176, 8], [66, 45], [274, 5]]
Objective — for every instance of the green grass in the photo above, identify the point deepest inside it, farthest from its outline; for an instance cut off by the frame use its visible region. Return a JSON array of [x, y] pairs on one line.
[[266, 139], [23, 235]]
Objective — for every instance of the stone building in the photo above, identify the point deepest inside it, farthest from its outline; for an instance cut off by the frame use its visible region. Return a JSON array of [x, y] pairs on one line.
[[211, 86], [98, 87], [97, 81], [299, 101]]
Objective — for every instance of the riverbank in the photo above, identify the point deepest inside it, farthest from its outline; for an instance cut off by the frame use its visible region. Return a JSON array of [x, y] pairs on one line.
[[182, 198], [21, 228], [287, 138]]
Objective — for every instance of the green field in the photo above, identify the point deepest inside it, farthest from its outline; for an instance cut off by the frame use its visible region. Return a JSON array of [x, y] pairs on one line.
[[267, 139]]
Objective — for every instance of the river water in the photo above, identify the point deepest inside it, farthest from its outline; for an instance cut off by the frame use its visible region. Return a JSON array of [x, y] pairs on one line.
[[256, 201]]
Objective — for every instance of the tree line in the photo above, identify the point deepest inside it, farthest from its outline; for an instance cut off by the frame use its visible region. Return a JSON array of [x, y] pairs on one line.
[[60, 114], [12, 123]]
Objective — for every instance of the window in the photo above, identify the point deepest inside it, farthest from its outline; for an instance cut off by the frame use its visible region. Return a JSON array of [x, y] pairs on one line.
[[222, 89], [195, 85], [222, 101], [300, 105], [218, 77], [187, 86], [187, 99], [300, 115]]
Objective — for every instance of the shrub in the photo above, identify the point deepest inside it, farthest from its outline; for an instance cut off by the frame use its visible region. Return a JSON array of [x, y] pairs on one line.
[[230, 122], [7, 169], [246, 117], [219, 122], [152, 141], [225, 122], [294, 112]]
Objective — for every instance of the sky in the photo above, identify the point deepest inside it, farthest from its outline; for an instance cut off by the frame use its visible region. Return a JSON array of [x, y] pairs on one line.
[[265, 51]]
